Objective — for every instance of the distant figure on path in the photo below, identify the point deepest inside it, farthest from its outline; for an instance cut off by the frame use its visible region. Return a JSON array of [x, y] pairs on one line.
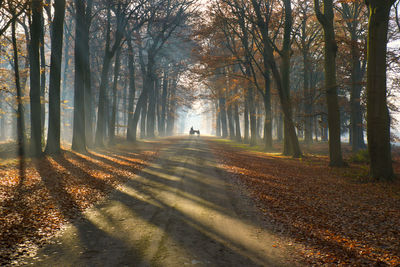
[[192, 132]]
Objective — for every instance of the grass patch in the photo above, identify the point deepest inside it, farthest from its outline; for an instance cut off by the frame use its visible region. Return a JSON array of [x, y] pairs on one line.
[[247, 147], [362, 156]]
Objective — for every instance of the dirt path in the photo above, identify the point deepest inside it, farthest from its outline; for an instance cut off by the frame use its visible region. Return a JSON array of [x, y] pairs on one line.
[[179, 211]]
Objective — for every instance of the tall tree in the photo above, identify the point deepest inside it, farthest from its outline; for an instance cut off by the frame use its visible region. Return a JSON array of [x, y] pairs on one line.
[[330, 50], [292, 141], [67, 45], [108, 55], [353, 14], [172, 104], [164, 98], [378, 120], [87, 78], [36, 121], [160, 28], [222, 112], [20, 109], [79, 135], [53, 137], [124, 11], [117, 66], [132, 89], [42, 73], [306, 38], [236, 116], [241, 33], [282, 76]]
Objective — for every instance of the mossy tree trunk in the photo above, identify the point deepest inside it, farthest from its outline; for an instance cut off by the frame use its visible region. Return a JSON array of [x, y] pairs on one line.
[[378, 120]]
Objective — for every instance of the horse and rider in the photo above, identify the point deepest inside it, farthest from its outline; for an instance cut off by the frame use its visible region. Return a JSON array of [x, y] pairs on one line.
[[192, 131]]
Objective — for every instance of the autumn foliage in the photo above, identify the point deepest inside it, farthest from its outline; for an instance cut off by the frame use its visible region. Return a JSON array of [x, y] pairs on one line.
[[336, 216], [57, 190]]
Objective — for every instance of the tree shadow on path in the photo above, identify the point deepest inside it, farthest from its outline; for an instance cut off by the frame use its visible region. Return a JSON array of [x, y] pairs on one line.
[[150, 221]]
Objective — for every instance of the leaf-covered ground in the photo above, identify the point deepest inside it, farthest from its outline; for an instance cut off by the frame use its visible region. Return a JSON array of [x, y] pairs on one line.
[[336, 216], [58, 189]]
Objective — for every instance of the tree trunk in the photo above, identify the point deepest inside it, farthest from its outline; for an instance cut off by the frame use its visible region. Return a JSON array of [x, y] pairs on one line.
[[125, 108], [290, 131], [172, 108], [284, 92], [258, 120], [108, 55], [282, 82], [24, 77], [164, 100], [231, 122], [158, 103], [143, 116], [357, 129], [87, 73], [356, 124], [324, 128], [246, 120], [335, 151], [135, 118], [267, 109], [279, 132], [43, 74], [101, 112], [53, 137], [132, 91], [65, 75], [263, 26], [117, 66], [222, 108], [330, 49], [287, 148], [20, 109], [217, 119], [2, 120], [307, 101], [36, 113], [118, 113], [237, 119], [378, 120], [252, 111], [79, 135], [151, 112]]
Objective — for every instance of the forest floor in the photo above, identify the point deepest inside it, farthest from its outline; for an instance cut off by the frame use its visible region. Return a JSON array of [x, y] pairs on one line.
[[335, 216], [168, 202], [57, 189], [181, 209]]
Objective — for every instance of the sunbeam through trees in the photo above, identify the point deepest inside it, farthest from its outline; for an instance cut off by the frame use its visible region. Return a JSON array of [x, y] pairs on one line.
[[102, 96]]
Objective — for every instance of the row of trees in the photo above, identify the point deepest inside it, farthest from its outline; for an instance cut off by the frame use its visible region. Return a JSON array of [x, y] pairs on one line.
[[280, 57], [111, 65]]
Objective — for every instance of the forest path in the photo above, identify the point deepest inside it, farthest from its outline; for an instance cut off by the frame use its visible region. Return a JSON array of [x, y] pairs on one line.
[[182, 210]]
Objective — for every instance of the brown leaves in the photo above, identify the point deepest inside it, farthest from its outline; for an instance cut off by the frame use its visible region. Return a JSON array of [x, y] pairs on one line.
[[57, 189], [333, 217]]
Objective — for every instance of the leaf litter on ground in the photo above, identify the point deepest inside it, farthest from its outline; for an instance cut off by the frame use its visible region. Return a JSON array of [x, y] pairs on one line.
[[335, 216], [57, 189]]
